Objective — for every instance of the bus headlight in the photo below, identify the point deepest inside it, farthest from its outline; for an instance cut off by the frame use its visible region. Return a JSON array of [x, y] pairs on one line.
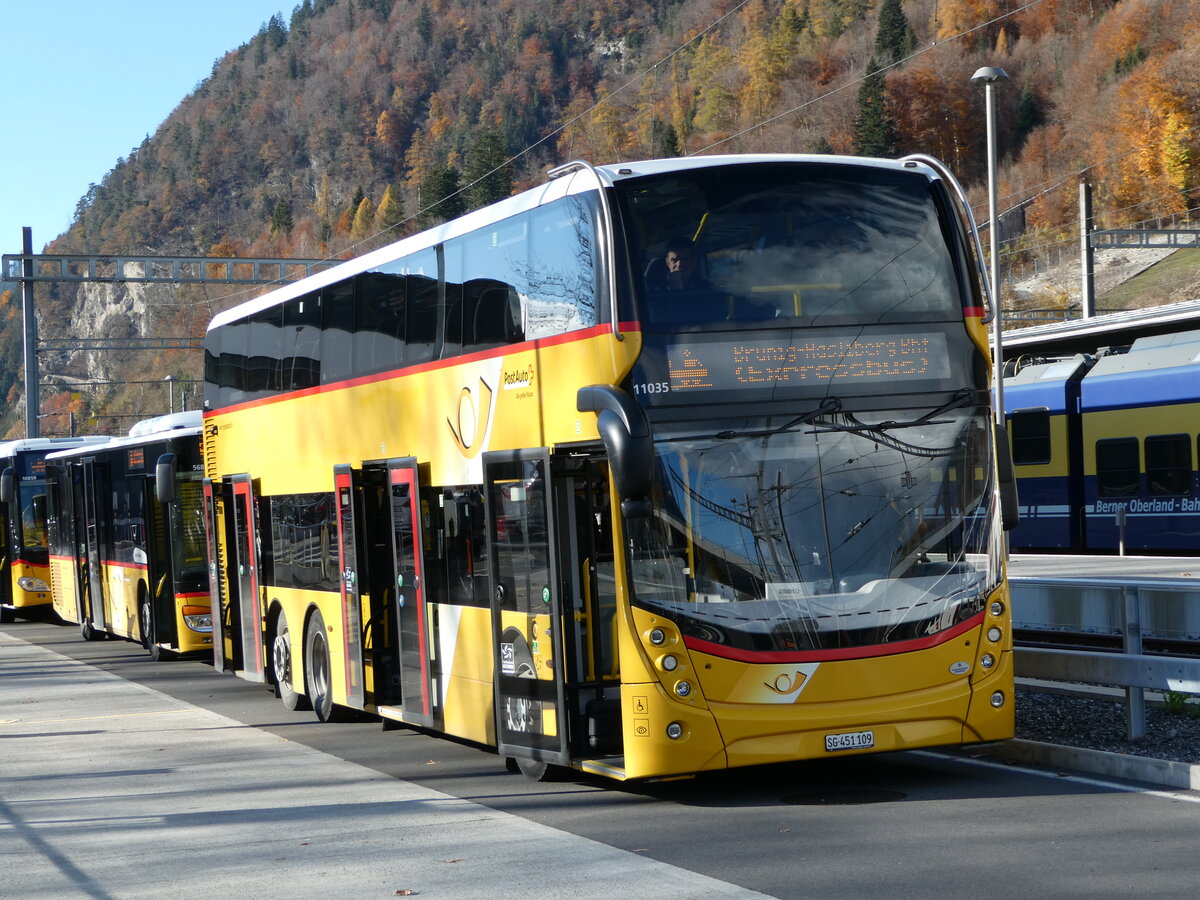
[[683, 688], [675, 731], [997, 608], [987, 660], [998, 699], [670, 663], [994, 634], [198, 618], [28, 583]]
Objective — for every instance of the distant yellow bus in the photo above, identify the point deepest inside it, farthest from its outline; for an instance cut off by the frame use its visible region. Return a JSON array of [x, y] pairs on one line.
[[656, 468], [128, 550], [24, 552]]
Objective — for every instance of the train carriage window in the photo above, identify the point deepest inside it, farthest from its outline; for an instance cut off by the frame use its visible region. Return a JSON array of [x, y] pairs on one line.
[[1169, 464], [1117, 467], [1030, 430]]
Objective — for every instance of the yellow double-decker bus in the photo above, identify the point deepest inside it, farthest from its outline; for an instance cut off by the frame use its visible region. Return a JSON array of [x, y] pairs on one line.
[[24, 542], [657, 468]]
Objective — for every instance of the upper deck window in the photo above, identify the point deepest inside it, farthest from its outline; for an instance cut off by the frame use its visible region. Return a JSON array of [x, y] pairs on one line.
[[804, 244]]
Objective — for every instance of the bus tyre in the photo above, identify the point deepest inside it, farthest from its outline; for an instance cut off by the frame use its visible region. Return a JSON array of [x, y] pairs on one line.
[[281, 665], [7, 614], [318, 674], [146, 626], [89, 631]]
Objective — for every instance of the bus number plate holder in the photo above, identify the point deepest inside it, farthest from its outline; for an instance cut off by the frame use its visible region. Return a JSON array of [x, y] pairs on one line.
[[850, 740]]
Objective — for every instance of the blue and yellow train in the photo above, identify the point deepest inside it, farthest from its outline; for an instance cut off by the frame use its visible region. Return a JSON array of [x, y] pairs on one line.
[[1105, 448]]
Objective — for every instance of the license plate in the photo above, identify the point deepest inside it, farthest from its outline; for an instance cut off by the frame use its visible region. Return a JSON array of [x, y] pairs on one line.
[[851, 740]]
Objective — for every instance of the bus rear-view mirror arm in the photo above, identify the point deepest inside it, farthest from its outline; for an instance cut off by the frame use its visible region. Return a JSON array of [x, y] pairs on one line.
[[626, 434]]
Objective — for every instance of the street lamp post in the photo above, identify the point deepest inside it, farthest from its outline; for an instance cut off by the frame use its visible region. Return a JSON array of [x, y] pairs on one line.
[[170, 380], [989, 75]]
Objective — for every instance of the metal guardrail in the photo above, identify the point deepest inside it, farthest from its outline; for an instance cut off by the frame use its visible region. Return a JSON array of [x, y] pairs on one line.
[[1101, 605]]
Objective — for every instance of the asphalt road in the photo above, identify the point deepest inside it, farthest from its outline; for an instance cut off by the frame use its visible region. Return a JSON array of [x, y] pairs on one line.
[[908, 824]]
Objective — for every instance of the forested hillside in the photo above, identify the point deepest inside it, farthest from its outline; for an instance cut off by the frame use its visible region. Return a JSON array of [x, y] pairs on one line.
[[352, 122]]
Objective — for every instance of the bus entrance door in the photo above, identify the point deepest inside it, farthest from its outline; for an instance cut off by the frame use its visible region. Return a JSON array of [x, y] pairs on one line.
[[216, 586], [412, 637], [348, 490], [95, 486], [526, 608], [246, 624]]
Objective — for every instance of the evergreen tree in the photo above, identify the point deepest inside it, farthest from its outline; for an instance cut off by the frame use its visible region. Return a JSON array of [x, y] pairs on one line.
[[1029, 115], [875, 132], [440, 195], [895, 39], [281, 217], [487, 169], [664, 140]]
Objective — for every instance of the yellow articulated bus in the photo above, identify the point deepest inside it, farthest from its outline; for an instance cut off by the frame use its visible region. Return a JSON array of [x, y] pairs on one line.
[[24, 551], [128, 547], [656, 468]]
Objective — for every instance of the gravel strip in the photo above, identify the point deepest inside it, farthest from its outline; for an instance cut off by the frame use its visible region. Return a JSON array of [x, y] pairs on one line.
[[1099, 724]]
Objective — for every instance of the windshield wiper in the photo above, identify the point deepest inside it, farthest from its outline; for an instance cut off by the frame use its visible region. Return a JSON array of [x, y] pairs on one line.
[[964, 397], [828, 406]]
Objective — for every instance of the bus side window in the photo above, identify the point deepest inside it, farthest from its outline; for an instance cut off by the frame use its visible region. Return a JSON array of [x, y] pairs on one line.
[[380, 301], [422, 313]]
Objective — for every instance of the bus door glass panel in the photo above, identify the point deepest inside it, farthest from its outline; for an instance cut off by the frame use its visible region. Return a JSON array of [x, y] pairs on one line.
[[526, 607], [94, 490], [6, 551], [245, 548], [216, 584], [412, 624], [348, 494]]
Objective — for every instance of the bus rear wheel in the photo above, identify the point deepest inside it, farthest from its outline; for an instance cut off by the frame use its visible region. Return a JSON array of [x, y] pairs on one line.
[[281, 665], [318, 673]]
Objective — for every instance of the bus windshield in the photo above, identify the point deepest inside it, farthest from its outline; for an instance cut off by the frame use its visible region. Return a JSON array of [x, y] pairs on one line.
[[844, 531], [790, 244], [33, 515]]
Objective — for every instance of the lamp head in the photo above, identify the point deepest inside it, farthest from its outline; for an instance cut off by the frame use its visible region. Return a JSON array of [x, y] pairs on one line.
[[989, 75]]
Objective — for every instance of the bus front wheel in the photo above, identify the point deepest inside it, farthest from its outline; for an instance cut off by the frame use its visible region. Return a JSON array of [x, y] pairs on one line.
[[146, 624]]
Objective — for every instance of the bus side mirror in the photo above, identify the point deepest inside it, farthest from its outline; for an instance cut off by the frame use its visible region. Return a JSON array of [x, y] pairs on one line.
[[6, 485], [164, 478], [1010, 510], [627, 438]]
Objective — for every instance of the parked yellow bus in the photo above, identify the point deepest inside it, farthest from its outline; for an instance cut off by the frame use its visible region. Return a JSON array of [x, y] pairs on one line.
[[656, 468], [128, 550], [24, 553]]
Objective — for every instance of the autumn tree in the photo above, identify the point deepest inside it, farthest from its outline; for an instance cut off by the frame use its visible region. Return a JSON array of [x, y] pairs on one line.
[[390, 212]]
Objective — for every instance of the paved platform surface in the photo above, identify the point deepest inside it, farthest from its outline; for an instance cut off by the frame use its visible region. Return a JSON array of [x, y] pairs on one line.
[[109, 789]]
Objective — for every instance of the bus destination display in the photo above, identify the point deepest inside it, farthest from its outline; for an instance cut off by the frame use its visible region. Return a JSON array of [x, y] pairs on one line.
[[819, 362]]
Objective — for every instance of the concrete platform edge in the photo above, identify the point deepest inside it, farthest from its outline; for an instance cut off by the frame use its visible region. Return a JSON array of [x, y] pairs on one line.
[[1163, 772]]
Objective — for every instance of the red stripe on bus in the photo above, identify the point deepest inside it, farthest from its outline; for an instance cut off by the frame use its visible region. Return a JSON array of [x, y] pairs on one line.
[[833, 654], [974, 312]]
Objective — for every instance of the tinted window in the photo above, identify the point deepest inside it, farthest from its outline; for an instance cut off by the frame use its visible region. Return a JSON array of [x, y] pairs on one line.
[[421, 327], [301, 343], [379, 323], [1030, 429], [1169, 464], [1117, 467], [792, 244], [338, 359]]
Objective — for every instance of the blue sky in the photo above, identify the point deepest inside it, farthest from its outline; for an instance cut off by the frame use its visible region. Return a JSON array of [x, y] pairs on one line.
[[87, 80]]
